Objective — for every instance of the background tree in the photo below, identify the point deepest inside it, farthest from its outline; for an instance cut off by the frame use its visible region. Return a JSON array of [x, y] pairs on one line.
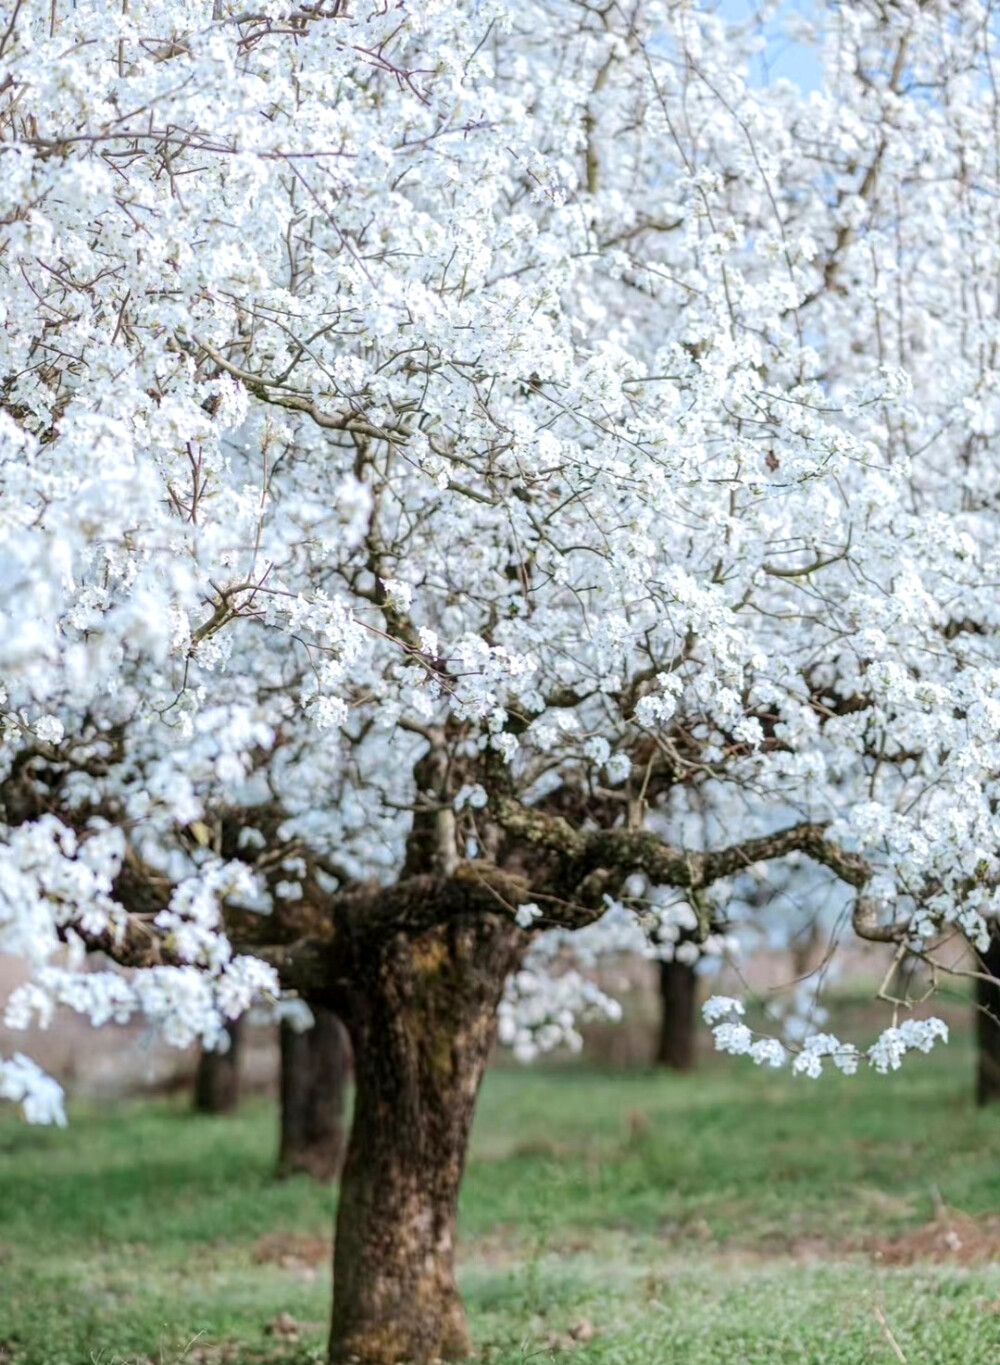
[[217, 1078], [988, 1024], [679, 1015], [315, 1072], [442, 445]]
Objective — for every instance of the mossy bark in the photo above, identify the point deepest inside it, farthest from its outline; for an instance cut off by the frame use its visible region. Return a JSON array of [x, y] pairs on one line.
[[421, 1012], [678, 1016], [315, 1069], [217, 1080], [988, 1027]]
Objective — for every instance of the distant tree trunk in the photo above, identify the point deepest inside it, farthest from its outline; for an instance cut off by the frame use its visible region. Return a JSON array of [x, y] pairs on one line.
[[315, 1067], [988, 1027], [678, 1002], [422, 1018], [803, 949], [217, 1081]]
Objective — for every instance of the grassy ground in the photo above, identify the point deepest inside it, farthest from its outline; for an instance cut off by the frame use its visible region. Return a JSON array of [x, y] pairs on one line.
[[731, 1218]]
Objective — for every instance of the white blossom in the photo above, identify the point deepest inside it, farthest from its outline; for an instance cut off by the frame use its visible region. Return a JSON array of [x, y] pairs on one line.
[[515, 419], [718, 1006], [40, 1097]]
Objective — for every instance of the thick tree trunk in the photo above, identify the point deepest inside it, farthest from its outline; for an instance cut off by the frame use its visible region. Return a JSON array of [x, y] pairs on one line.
[[679, 1001], [988, 1028], [217, 1080], [422, 1018], [315, 1067]]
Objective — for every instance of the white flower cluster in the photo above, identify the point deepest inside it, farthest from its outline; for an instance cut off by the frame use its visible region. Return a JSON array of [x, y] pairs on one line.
[[191, 923], [471, 794], [540, 1010], [718, 1007], [185, 1004], [885, 1054], [49, 880], [732, 1036], [912, 1035], [23, 1082], [816, 1046], [675, 935]]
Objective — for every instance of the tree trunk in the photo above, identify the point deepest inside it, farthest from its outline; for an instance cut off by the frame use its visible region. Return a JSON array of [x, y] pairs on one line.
[[422, 1019], [803, 949], [217, 1080], [988, 1028], [315, 1066], [679, 1000]]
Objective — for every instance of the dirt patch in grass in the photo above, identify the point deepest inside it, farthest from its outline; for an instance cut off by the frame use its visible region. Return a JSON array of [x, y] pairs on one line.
[[952, 1237], [292, 1250], [805, 1249], [234, 1353]]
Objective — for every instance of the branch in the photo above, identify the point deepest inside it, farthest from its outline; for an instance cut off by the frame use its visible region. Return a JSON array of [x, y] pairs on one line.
[[545, 831], [270, 391], [808, 838], [629, 850], [303, 966], [864, 921], [421, 902]]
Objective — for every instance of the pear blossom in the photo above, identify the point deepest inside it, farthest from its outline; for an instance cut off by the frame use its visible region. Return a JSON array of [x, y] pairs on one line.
[[456, 459]]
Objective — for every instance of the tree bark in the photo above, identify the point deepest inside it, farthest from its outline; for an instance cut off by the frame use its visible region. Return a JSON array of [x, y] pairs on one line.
[[217, 1080], [988, 1028], [315, 1067], [679, 1000], [422, 1017]]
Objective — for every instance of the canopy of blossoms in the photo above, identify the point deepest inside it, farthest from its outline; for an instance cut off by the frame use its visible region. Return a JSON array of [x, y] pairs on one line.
[[460, 441]]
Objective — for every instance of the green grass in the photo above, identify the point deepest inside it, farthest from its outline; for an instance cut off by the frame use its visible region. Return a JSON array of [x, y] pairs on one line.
[[726, 1218]]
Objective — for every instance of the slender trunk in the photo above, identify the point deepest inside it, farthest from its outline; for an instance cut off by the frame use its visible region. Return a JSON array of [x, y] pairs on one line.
[[422, 1018], [988, 1028], [315, 1066], [217, 1080], [679, 999]]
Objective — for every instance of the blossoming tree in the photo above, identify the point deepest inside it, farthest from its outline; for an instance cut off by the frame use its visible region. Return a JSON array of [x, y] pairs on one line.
[[441, 445]]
